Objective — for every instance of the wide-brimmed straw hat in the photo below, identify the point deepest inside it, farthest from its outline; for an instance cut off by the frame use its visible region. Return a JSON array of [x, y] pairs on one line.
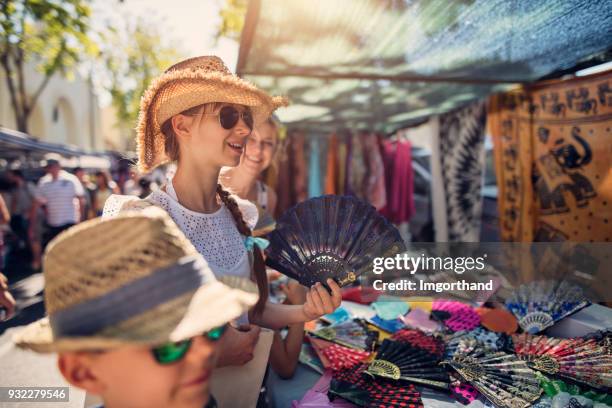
[[134, 279], [190, 83]]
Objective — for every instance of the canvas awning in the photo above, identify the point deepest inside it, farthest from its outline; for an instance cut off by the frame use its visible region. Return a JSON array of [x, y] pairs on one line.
[[385, 64]]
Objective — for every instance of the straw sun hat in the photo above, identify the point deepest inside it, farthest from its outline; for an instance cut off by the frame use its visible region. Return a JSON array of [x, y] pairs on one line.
[[129, 280], [190, 83]]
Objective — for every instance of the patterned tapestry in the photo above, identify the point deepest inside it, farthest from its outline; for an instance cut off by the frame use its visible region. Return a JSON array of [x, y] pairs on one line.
[[553, 153], [461, 144]]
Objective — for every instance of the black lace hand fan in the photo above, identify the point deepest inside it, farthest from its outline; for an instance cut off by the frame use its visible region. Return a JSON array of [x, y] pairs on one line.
[[502, 378], [399, 360], [584, 361], [358, 388], [333, 237]]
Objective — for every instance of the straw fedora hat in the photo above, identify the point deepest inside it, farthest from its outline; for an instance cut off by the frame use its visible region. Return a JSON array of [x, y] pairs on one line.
[[190, 83], [134, 279]]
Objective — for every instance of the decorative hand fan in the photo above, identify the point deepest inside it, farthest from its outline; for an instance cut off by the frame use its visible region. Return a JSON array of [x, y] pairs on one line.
[[602, 337], [353, 385], [463, 392], [497, 320], [331, 237], [417, 338], [352, 333], [485, 339], [403, 361], [418, 318], [502, 378], [584, 361], [342, 357], [539, 304], [455, 315], [318, 345]]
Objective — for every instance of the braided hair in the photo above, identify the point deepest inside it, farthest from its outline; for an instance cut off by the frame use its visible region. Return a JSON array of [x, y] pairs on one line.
[[259, 266]]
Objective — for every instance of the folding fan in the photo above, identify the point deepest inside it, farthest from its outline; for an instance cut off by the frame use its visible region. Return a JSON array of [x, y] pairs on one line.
[[485, 339], [398, 360], [539, 304], [455, 315], [331, 237], [352, 333], [502, 378], [341, 357], [584, 361], [463, 392], [357, 387], [421, 340]]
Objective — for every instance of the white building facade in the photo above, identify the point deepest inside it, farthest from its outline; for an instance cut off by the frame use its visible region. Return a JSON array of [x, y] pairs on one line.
[[66, 112]]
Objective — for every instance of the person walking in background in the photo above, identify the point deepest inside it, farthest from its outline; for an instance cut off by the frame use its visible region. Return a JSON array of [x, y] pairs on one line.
[[22, 198], [90, 190], [63, 196], [105, 187], [7, 302]]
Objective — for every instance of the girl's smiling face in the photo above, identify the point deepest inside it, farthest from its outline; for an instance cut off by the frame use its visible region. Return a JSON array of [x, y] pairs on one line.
[[202, 139], [260, 148], [131, 377]]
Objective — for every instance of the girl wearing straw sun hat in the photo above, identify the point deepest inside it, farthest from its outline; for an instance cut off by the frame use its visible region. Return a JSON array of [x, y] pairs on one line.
[[199, 115], [134, 312]]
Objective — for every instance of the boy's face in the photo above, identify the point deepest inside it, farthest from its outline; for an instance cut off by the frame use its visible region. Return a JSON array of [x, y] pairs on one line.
[[131, 377]]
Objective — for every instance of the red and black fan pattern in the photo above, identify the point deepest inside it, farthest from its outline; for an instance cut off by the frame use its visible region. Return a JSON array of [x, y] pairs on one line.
[[356, 386]]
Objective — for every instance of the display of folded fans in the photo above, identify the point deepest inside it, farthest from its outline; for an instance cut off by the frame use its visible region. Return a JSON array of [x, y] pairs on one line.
[[352, 333], [356, 386], [398, 360], [463, 340], [417, 338], [502, 378], [456, 316], [584, 361], [341, 357], [333, 237], [539, 304]]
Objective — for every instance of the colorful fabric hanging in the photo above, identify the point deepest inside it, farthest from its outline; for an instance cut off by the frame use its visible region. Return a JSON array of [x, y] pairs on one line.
[[300, 172], [342, 158], [553, 160], [314, 169], [461, 159], [331, 173], [357, 167], [375, 191], [397, 156]]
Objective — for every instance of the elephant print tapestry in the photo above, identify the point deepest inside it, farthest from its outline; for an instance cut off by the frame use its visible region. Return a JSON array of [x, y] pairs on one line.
[[553, 154]]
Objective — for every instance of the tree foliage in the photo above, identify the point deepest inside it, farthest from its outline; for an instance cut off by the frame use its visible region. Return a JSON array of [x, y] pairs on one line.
[[232, 15], [52, 34], [132, 56]]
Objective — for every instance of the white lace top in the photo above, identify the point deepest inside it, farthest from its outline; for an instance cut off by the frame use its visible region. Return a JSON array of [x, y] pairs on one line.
[[214, 235]]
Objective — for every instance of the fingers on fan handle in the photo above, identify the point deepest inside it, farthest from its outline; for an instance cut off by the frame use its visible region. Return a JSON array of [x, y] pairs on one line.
[[326, 299], [316, 301], [336, 292]]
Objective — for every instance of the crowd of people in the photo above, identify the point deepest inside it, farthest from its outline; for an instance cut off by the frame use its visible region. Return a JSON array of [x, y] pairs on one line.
[[195, 236]]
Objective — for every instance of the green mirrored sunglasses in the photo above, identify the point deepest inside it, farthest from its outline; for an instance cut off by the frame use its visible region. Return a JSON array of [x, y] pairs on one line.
[[172, 352]]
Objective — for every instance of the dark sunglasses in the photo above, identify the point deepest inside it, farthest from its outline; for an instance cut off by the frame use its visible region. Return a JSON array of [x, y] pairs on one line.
[[229, 116], [172, 352]]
